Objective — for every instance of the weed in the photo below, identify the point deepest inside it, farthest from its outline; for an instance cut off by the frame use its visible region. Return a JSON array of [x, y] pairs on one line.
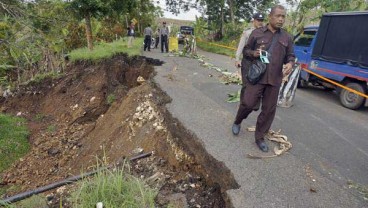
[[51, 128], [114, 188], [39, 117], [110, 99]]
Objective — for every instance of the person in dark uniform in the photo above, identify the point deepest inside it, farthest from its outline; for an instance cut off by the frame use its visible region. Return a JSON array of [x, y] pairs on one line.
[[164, 32], [268, 87], [147, 38]]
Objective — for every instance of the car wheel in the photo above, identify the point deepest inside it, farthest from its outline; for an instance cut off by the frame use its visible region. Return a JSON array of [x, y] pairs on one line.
[[351, 100]]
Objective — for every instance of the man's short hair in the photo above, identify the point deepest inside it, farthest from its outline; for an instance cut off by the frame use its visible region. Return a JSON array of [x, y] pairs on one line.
[[276, 7]]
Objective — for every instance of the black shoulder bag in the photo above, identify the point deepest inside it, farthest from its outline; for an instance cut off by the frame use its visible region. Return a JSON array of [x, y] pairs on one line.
[[258, 68]]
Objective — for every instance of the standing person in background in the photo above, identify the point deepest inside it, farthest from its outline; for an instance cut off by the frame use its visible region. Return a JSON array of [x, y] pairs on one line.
[[130, 35], [157, 37], [280, 47], [245, 64], [164, 33], [147, 37]]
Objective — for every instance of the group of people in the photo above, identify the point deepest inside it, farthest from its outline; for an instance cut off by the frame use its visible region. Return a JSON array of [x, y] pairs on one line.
[[279, 46], [254, 41], [161, 35]]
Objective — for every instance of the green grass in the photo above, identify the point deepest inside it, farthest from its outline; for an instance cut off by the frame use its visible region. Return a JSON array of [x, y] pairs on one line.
[[13, 140], [107, 50], [113, 189], [40, 77], [110, 99], [207, 46], [32, 202]]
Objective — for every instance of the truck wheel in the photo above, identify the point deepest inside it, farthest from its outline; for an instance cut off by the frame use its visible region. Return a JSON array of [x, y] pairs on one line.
[[351, 100]]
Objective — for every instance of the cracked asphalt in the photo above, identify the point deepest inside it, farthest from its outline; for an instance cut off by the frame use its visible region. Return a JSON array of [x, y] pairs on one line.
[[330, 142]]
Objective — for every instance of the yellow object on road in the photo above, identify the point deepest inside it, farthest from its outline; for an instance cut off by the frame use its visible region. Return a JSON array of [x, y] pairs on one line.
[[173, 44]]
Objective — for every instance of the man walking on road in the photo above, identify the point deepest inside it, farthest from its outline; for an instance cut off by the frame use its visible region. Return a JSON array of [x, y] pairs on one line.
[[245, 63], [147, 38], [268, 86]]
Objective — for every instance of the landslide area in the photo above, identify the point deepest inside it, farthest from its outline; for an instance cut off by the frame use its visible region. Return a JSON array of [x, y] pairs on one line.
[[111, 110]]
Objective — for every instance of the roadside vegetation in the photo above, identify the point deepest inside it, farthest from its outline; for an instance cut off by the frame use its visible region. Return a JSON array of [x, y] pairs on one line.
[[113, 188], [13, 140], [107, 50], [225, 27]]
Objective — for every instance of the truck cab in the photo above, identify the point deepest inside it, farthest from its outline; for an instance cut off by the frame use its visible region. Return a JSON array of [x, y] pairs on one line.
[[337, 49], [184, 31]]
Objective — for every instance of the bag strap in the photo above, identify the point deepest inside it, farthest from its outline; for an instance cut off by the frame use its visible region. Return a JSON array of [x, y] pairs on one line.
[[274, 39]]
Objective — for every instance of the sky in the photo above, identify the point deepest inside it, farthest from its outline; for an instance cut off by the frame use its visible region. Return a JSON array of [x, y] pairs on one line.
[[190, 15]]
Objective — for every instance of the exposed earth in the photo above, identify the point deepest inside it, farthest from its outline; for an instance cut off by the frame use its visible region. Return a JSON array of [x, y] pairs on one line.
[[111, 110]]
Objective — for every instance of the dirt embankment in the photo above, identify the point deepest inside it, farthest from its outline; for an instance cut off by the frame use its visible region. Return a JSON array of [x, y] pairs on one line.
[[102, 111]]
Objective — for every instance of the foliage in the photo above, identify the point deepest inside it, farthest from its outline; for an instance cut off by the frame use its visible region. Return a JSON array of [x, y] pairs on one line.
[[233, 97], [115, 189], [107, 50], [13, 140], [207, 46], [310, 11]]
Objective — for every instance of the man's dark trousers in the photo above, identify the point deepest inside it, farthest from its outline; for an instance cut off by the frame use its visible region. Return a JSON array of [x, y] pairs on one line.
[[157, 40], [252, 95], [164, 43], [147, 43]]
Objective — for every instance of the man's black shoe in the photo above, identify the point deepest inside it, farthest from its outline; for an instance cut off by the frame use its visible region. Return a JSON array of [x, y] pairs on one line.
[[262, 145], [236, 129]]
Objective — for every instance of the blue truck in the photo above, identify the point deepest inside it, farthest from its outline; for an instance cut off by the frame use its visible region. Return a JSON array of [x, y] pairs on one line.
[[337, 49]]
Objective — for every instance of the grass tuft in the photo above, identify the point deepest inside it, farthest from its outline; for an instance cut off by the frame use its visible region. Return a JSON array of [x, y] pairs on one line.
[[107, 50], [13, 140], [113, 189]]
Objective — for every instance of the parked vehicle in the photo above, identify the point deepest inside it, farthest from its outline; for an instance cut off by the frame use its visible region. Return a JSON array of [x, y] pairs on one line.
[[337, 49], [184, 31]]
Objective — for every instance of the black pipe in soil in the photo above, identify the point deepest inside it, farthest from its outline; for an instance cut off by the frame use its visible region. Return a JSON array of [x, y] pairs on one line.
[[67, 181]]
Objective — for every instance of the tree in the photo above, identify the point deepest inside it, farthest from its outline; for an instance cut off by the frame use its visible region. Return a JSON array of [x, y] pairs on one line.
[[310, 11], [87, 9]]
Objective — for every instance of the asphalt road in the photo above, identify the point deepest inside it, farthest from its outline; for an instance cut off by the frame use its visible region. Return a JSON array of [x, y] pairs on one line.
[[327, 166]]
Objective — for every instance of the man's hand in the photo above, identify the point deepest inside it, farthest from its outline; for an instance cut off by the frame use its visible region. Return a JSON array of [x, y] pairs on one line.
[[238, 64], [257, 53], [287, 69]]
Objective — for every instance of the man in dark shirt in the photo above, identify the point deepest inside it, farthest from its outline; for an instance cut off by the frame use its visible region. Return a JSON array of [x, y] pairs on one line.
[[268, 87]]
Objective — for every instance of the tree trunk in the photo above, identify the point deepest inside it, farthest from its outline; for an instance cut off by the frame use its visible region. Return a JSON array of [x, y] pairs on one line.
[[231, 6], [89, 32], [222, 19]]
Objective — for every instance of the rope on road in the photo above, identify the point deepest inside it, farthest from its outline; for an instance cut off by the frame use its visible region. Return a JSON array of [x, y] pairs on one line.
[[275, 136], [335, 83]]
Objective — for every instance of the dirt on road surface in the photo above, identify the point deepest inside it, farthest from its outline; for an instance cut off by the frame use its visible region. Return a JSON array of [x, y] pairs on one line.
[[111, 110]]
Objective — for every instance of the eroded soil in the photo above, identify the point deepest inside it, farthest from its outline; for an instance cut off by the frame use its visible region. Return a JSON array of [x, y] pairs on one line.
[[102, 111]]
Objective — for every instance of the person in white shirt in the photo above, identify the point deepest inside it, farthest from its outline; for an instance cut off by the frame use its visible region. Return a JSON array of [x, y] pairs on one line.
[[147, 37], [164, 32]]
